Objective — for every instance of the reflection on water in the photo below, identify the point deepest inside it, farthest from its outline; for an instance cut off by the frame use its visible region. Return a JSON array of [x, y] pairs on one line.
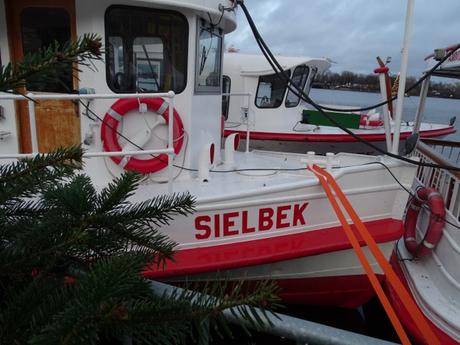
[[437, 110]]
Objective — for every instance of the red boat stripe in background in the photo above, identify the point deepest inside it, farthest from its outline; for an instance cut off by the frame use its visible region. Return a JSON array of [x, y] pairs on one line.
[[268, 250], [333, 137]]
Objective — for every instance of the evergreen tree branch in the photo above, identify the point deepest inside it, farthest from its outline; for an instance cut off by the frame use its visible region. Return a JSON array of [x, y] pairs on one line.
[[28, 176]]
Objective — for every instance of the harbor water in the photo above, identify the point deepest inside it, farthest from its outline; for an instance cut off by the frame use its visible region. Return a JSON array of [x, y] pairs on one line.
[[437, 110]]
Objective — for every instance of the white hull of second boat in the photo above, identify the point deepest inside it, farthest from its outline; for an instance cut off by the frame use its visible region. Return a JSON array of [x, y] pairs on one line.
[[434, 280], [323, 139]]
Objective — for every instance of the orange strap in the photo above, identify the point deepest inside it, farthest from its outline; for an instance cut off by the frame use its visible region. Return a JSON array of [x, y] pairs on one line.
[[393, 279], [364, 262]]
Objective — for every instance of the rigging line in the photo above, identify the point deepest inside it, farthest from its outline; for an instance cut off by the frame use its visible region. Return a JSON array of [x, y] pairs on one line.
[[220, 19], [284, 77]]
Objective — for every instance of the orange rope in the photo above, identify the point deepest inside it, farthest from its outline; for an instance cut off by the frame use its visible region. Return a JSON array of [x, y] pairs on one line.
[[366, 265], [393, 279]]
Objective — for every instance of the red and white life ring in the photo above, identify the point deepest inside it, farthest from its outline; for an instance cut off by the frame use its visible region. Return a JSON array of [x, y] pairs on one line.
[[367, 121], [435, 203], [109, 133]]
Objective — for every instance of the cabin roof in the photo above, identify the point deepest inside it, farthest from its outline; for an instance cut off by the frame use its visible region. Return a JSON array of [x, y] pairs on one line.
[[450, 68], [208, 8], [257, 65]]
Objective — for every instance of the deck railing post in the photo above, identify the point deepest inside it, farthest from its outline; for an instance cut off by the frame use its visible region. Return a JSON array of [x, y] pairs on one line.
[[171, 154], [32, 123], [248, 117]]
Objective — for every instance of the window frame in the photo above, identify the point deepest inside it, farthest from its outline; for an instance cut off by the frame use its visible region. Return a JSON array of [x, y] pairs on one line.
[[209, 90], [311, 77], [284, 91], [302, 87], [224, 78], [154, 10]]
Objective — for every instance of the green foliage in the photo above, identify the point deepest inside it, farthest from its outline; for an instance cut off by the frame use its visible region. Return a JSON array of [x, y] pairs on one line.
[[72, 256], [71, 261]]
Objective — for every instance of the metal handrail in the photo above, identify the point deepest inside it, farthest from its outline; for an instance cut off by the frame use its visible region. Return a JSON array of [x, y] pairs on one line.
[[248, 131], [440, 142], [31, 98], [280, 325], [446, 182], [448, 149]]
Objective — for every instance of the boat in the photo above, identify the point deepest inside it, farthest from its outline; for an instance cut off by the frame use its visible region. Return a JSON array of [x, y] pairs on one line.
[[153, 107], [431, 272], [276, 119]]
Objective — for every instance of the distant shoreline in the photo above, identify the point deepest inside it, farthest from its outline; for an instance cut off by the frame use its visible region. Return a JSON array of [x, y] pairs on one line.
[[357, 89], [347, 80]]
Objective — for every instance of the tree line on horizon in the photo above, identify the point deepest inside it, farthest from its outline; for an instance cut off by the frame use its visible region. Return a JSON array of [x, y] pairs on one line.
[[370, 83]]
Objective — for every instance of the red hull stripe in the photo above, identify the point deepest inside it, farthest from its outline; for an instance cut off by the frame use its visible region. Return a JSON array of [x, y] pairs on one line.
[[269, 250], [340, 291], [334, 137], [404, 315]]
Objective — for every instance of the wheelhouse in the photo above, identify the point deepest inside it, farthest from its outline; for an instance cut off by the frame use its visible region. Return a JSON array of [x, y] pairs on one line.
[[150, 46], [272, 98]]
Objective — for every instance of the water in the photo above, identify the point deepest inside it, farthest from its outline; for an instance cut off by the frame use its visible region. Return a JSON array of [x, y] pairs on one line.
[[437, 110]]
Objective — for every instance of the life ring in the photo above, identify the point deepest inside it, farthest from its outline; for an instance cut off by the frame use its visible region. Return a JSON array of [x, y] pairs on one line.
[[367, 121], [109, 133], [435, 203]]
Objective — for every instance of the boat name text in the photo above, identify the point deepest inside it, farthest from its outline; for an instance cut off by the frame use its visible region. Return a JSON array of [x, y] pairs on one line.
[[240, 223]]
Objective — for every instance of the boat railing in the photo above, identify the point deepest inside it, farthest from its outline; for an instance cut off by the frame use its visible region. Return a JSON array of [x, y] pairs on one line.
[[445, 181], [447, 148], [31, 98], [246, 115]]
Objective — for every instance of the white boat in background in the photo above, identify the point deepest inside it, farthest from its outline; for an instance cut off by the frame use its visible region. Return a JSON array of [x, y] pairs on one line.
[[259, 215], [276, 119], [434, 278]]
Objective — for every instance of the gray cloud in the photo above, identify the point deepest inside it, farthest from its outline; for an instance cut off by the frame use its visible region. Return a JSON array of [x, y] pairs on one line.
[[350, 32]]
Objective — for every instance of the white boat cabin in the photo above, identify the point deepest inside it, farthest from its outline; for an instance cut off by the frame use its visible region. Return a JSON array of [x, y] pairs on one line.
[[150, 46], [271, 103]]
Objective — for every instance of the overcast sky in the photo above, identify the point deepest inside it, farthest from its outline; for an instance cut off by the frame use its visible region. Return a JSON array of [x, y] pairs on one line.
[[350, 32]]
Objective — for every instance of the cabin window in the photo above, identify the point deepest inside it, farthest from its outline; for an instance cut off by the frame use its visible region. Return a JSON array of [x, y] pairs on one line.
[[226, 88], [146, 50], [42, 27], [299, 78], [209, 59], [270, 91]]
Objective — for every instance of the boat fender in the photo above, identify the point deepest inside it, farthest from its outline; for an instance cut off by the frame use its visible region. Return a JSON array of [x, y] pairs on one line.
[[435, 203], [231, 145], [206, 161], [112, 120]]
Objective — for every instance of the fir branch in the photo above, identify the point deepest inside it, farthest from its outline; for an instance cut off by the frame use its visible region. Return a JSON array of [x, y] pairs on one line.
[[156, 212], [28, 176], [117, 192]]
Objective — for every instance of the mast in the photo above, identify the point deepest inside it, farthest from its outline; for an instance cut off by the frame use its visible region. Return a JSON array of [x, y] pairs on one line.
[[403, 75]]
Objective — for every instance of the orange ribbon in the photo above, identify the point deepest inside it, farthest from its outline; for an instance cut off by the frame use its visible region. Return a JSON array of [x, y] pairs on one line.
[[327, 179]]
